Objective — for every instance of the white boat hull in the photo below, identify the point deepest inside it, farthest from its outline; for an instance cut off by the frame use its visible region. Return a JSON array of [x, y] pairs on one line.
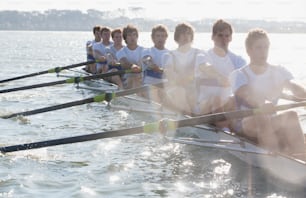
[[284, 169]]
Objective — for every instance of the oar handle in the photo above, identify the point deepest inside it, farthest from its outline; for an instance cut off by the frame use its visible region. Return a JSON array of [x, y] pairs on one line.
[[104, 75], [212, 118], [289, 106]]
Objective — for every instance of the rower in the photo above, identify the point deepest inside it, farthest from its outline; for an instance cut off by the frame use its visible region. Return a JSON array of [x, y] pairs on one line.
[[212, 72], [91, 68], [260, 85], [152, 61], [113, 64], [130, 57], [99, 50], [179, 71]]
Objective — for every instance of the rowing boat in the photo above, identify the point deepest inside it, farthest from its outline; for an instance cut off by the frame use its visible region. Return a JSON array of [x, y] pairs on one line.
[[281, 168]]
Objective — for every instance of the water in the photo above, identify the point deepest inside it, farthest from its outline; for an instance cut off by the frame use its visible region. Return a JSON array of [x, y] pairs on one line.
[[131, 166]]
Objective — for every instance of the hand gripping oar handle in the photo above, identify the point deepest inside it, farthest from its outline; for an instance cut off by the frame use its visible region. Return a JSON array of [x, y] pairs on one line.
[[56, 69], [212, 118], [70, 80], [161, 126]]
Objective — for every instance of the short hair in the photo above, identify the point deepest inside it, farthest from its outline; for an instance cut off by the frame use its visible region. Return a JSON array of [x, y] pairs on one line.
[[116, 30], [220, 25], [105, 29], [254, 35], [181, 29], [96, 28], [160, 28], [129, 29]]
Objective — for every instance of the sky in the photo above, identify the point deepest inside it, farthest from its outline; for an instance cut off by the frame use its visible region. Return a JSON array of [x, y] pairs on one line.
[[276, 10]]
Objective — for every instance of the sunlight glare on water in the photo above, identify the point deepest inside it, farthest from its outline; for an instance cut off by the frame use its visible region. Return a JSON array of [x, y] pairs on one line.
[[129, 166]]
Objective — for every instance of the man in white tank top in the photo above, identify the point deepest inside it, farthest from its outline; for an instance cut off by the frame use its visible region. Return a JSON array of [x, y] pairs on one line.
[[179, 70], [130, 57], [213, 70], [99, 50], [152, 57], [260, 85], [152, 61], [91, 68]]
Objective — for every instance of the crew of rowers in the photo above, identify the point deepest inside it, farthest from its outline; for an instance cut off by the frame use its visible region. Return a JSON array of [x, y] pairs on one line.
[[203, 82]]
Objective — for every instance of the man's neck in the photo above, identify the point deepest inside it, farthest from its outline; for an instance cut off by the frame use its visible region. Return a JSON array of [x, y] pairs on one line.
[[159, 47], [258, 67], [106, 43], [184, 48], [132, 47]]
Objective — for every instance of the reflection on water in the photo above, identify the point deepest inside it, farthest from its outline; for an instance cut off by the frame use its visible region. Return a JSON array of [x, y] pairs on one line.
[[131, 166]]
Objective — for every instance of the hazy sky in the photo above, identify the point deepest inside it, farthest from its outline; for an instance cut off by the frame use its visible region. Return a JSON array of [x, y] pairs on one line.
[[177, 9]]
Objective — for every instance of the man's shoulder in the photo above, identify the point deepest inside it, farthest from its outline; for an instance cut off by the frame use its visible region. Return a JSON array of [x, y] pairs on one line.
[[89, 42], [237, 60], [140, 48], [235, 55], [242, 70], [96, 45]]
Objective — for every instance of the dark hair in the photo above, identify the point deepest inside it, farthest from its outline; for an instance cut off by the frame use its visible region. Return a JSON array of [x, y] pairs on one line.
[[96, 28], [129, 29], [159, 27], [116, 30], [183, 28], [221, 25], [105, 29]]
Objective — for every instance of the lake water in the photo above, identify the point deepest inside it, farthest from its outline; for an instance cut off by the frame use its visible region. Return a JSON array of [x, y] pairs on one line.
[[130, 166]]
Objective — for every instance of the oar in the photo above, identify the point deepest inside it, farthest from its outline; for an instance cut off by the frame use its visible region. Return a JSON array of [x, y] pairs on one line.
[[98, 98], [53, 70], [162, 126], [70, 80]]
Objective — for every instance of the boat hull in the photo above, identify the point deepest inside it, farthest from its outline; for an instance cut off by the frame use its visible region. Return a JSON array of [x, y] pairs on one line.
[[281, 168]]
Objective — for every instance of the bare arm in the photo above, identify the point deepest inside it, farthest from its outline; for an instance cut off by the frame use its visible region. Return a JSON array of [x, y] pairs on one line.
[[298, 91], [211, 72], [99, 56], [89, 49], [247, 97], [127, 65], [148, 61]]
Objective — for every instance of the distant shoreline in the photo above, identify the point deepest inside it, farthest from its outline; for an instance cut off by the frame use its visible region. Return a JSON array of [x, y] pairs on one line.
[[86, 31], [74, 20]]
